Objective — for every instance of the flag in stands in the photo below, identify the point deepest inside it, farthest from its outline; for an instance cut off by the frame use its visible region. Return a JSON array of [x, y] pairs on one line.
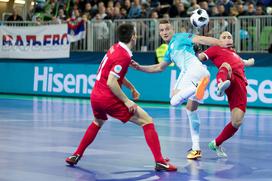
[[76, 30]]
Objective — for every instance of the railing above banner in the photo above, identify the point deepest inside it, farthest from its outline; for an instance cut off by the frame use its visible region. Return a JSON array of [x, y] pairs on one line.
[[250, 33]]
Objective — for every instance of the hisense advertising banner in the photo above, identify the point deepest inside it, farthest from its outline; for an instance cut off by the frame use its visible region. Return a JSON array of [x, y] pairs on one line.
[[77, 80]]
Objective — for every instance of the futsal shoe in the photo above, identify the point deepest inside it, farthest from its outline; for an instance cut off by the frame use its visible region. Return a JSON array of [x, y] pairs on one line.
[[165, 167], [73, 159], [221, 87], [218, 149], [194, 154], [201, 87]]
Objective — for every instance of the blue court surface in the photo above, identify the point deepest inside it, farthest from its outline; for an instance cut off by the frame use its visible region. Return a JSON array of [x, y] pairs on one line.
[[38, 133]]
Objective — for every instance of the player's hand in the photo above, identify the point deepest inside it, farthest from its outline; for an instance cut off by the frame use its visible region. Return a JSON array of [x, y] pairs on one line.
[[135, 94], [132, 107], [135, 65], [251, 61]]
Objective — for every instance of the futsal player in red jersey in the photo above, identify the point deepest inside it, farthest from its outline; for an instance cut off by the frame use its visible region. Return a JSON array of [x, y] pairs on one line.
[[230, 79], [107, 98]]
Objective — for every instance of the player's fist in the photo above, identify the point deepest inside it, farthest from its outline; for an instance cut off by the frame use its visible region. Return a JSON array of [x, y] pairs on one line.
[[132, 107], [134, 64], [135, 94], [251, 61]]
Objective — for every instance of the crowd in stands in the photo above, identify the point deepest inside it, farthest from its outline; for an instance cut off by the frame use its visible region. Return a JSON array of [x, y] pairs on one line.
[[70, 10]]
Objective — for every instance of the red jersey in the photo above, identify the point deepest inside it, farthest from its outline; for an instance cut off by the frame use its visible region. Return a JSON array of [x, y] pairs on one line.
[[116, 61], [219, 55]]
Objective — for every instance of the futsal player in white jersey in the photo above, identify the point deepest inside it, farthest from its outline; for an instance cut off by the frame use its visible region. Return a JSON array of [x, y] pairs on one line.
[[193, 78]]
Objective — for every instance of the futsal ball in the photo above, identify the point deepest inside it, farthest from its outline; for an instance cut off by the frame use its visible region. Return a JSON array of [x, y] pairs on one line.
[[199, 18]]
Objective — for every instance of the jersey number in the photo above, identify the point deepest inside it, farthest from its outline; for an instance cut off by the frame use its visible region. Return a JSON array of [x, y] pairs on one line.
[[101, 67]]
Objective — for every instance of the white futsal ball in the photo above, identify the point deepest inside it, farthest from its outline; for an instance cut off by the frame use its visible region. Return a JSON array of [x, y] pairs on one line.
[[199, 18]]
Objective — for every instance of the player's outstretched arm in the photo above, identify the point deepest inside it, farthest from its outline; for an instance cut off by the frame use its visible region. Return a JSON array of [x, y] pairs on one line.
[[249, 62], [117, 91], [210, 41], [150, 68], [133, 90]]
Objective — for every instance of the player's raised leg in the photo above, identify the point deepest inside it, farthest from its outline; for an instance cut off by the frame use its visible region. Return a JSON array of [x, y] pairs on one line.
[[223, 78]]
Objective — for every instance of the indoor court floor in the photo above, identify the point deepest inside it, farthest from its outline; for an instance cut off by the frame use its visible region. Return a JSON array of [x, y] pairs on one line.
[[38, 133]]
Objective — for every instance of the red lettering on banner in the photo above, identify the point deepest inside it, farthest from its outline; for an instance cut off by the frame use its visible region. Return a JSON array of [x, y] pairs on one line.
[[64, 36], [47, 39], [7, 40], [19, 41]]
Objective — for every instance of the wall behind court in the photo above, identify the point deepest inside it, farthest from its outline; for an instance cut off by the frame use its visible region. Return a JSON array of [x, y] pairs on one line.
[[77, 80]]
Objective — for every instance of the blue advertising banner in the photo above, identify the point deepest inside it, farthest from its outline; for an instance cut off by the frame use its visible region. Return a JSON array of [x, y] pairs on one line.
[[77, 80]]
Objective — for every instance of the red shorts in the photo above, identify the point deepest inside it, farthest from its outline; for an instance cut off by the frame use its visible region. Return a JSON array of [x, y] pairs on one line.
[[237, 93], [115, 108]]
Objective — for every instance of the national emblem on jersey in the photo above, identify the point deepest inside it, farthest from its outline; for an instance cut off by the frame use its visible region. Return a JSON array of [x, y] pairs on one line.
[[117, 68]]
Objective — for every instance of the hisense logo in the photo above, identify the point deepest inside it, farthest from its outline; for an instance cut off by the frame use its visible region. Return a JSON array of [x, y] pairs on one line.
[[46, 80]]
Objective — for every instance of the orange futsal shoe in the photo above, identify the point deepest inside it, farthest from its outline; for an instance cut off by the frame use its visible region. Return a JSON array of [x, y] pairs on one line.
[[201, 87]]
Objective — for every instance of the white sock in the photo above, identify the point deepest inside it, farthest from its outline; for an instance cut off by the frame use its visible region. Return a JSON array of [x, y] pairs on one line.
[[194, 123], [182, 95]]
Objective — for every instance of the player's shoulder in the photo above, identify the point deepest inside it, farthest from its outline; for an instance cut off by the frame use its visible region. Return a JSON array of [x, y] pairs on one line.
[[182, 34], [118, 51], [215, 48]]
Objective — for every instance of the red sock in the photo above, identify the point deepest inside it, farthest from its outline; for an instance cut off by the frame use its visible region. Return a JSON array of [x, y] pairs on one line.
[[88, 138], [227, 132], [152, 139], [222, 74]]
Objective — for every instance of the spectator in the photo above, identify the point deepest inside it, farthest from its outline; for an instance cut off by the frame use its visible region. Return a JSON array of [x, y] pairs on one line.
[[101, 11], [221, 10], [250, 9], [211, 3], [117, 14], [101, 32], [205, 5], [123, 11], [241, 10], [193, 7], [88, 11], [181, 10], [173, 10], [15, 16], [214, 11], [117, 4], [127, 5], [259, 10], [135, 10], [61, 16], [227, 5], [145, 10], [234, 12]]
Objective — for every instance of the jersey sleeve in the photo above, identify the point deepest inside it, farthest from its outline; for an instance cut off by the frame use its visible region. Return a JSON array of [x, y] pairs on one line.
[[120, 66], [210, 53], [185, 38]]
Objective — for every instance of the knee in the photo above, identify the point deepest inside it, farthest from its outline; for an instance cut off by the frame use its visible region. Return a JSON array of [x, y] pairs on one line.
[[99, 122], [237, 123], [226, 65], [148, 120]]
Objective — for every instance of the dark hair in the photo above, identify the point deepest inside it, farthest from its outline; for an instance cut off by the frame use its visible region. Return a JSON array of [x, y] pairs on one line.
[[125, 32], [164, 21]]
